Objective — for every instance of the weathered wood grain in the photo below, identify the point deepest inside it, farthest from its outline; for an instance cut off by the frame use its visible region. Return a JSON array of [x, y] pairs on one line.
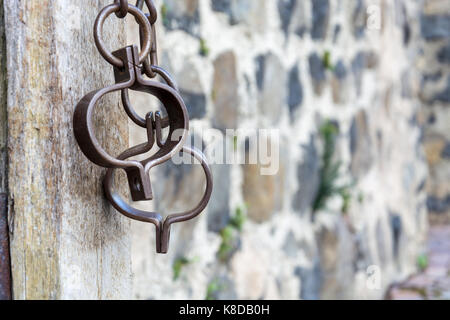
[[5, 267], [66, 240], [3, 113]]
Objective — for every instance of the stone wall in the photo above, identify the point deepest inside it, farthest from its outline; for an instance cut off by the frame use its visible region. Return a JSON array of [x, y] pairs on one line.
[[338, 79], [434, 64]]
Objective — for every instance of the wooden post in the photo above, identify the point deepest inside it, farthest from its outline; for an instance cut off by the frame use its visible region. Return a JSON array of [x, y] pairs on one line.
[[66, 241], [5, 265]]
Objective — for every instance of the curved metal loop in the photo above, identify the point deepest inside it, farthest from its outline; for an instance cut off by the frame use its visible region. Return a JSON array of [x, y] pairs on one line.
[[191, 214], [152, 17], [153, 12], [137, 171], [162, 227], [138, 120], [145, 26], [152, 60], [123, 8], [144, 147], [158, 129]]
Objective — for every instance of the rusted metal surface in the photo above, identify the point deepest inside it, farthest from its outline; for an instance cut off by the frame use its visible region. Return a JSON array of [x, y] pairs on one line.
[[152, 16], [5, 265], [137, 171], [123, 8], [144, 26], [130, 68], [153, 13]]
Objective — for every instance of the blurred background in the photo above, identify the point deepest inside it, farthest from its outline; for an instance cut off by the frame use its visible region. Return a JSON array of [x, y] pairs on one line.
[[359, 91]]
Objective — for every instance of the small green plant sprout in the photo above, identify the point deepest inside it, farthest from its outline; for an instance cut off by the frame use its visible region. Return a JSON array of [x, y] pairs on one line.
[[178, 266], [213, 288], [230, 233], [204, 49], [329, 171], [422, 262], [226, 246], [326, 60], [346, 200], [239, 218]]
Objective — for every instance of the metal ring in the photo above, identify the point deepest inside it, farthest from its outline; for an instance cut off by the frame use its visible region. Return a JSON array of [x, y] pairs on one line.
[[162, 228], [123, 8], [151, 8], [143, 22]]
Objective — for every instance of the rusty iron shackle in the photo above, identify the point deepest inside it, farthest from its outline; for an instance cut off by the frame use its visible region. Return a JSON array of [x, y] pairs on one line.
[[129, 69], [162, 226], [130, 77]]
